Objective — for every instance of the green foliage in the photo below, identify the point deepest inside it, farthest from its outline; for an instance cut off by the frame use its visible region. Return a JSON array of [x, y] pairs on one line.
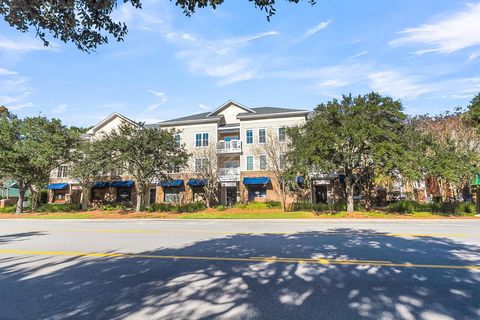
[[111, 207], [52, 207], [473, 113], [221, 208], [323, 207], [442, 208], [358, 136], [7, 209], [185, 208], [145, 153], [90, 23], [31, 148], [259, 205]]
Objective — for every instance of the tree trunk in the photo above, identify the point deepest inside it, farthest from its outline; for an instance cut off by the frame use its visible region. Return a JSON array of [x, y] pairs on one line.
[[140, 193], [349, 193], [21, 198], [85, 194]]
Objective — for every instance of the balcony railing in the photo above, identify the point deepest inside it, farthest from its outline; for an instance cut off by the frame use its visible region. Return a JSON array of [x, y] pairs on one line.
[[229, 174], [231, 146]]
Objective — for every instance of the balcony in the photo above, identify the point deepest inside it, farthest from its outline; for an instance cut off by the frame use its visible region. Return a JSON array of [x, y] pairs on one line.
[[229, 174], [232, 146]]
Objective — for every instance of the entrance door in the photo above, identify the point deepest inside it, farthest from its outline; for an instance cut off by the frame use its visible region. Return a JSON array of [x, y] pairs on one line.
[[231, 196], [321, 194]]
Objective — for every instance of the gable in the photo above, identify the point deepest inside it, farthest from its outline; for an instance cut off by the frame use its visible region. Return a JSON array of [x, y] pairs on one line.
[[228, 105], [109, 124]]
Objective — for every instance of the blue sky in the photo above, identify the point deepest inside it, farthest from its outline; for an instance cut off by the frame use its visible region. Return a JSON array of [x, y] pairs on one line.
[[426, 53]]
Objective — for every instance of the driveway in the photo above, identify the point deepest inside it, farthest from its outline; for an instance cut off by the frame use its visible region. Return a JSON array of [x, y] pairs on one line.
[[240, 269]]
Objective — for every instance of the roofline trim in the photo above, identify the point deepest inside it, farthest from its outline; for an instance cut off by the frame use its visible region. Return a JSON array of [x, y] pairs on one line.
[[273, 115], [96, 127], [226, 104], [172, 123]]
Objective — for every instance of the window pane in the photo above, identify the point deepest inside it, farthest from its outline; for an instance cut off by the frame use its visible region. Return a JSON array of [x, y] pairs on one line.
[[205, 139], [249, 136], [281, 134], [177, 140], [198, 140], [263, 163], [249, 162], [261, 136]]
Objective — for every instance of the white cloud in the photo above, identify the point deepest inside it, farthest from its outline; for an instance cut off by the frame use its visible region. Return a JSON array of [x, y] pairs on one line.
[[358, 54], [163, 99], [204, 107], [6, 72], [474, 56], [454, 33], [310, 32], [398, 85], [224, 59], [59, 109], [20, 106], [154, 16], [21, 44]]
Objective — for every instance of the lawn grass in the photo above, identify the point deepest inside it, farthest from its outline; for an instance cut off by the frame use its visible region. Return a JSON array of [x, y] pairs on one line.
[[233, 213]]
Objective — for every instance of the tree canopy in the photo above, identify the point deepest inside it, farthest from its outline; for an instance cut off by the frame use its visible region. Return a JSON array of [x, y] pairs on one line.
[[31, 148], [90, 23], [145, 153], [355, 136]]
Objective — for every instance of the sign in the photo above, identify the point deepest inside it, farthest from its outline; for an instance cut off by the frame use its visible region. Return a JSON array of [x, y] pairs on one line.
[[229, 184], [321, 182], [76, 187]]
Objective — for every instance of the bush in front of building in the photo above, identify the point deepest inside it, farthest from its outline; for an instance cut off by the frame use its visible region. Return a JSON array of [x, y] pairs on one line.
[[323, 207], [259, 205], [7, 209], [441, 208], [57, 207], [178, 208], [221, 208]]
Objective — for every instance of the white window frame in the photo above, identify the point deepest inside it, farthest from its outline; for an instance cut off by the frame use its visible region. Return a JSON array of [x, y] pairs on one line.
[[62, 172], [246, 136], [179, 138], [260, 162], [246, 162], [265, 135], [285, 135], [203, 162], [202, 141]]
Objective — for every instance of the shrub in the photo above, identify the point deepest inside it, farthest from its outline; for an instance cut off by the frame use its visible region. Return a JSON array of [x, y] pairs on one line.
[[254, 205], [221, 208], [302, 206], [442, 208], [56, 207], [188, 208], [273, 204], [7, 209]]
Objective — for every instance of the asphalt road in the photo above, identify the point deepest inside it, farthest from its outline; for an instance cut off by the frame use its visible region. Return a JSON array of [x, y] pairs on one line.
[[262, 269]]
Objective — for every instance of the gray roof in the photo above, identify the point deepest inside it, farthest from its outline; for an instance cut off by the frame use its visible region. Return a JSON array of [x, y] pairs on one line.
[[258, 111]]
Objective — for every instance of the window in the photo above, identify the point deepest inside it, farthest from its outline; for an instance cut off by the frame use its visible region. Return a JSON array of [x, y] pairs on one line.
[[152, 196], [250, 163], [262, 136], [263, 162], [59, 195], [249, 136], [201, 140], [124, 194], [281, 134], [201, 165], [173, 168], [62, 172], [171, 195], [98, 194], [256, 192], [177, 140]]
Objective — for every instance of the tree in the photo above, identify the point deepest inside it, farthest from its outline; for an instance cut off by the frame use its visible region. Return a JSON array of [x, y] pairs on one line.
[[30, 149], [88, 164], [89, 23], [205, 167], [274, 154], [355, 136], [145, 153]]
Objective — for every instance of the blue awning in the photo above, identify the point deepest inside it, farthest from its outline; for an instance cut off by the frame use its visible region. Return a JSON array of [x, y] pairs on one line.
[[256, 180], [171, 183], [197, 182], [57, 186], [122, 184], [100, 185]]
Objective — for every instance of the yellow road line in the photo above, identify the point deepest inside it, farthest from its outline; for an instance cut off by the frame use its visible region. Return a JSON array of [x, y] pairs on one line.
[[322, 261]]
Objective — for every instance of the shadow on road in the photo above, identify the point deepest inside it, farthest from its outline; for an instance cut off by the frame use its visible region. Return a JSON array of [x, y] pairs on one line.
[[141, 288], [19, 236]]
